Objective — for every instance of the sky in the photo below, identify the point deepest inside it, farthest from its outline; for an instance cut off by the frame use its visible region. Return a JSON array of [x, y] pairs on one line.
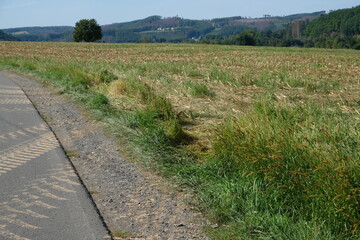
[[28, 13]]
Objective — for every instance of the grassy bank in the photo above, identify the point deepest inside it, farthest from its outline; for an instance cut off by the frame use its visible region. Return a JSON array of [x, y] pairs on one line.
[[268, 139]]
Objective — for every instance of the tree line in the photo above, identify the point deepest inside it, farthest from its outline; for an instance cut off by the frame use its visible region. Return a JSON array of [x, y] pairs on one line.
[[338, 29]]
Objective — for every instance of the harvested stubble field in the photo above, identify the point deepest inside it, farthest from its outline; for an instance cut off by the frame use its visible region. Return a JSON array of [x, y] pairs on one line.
[[268, 139]]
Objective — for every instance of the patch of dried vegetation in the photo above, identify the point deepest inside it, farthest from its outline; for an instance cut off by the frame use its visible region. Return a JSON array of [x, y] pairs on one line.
[[236, 75]]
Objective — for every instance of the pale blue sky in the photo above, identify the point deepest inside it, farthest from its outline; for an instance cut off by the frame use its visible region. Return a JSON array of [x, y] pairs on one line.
[[26, 13]]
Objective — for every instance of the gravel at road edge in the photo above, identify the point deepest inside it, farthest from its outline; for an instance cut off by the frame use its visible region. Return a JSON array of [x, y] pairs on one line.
[[130, 199]]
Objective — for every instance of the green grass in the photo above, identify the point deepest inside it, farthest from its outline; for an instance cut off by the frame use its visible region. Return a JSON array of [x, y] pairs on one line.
[[276, 172], [281, 169], [217, 75], [196, 89], [286, 172], [72, 153], [122, 234]]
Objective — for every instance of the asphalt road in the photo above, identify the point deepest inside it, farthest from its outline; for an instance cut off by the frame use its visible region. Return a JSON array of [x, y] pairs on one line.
[[41, 197]]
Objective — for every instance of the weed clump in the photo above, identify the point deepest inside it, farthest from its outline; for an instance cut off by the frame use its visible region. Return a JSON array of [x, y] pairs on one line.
[[105, 76], [118, 88], [98, 101], [221, 76], [158, 121], [160, 106], [174, 131], [198, 89]]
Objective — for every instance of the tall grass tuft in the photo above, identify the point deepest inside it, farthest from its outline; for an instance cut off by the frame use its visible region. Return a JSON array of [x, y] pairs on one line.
[[197, 89], [98, 101], [158, 122], [221, 76], [104, 76], [302, 162]]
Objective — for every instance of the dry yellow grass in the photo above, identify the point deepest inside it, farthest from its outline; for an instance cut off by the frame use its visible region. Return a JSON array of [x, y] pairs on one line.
[[117, 88], [237, 75]]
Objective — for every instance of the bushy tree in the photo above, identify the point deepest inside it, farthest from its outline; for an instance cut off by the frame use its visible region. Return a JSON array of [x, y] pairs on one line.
[[247, 37], [87, 30]]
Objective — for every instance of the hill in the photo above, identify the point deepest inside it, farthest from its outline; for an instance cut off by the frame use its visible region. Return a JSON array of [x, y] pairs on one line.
[[39, 34], [339, 28], [341, 22], [176, 29], [7, 37], [160, 29]]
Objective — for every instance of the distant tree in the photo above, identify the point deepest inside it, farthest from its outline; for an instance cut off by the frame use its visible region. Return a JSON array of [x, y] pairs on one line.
[[247, 37], [87, 30]]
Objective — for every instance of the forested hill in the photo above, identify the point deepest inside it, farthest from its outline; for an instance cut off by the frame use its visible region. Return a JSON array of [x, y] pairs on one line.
[[345, 22], [159, 29], [338, 29], [50, 34], [7, 37], [176, 29]]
